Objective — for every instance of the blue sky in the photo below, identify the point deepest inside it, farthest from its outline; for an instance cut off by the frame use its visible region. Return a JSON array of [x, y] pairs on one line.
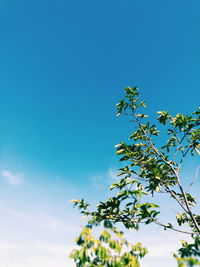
[[63, 65]]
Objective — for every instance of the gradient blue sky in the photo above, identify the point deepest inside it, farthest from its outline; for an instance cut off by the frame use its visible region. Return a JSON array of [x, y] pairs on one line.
[[63, 65]]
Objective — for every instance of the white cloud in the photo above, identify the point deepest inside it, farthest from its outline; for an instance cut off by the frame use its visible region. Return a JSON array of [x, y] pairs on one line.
[[56, 249], [35, 254], [47, 240], [112, 175], [7, 249], [103, 181], [13, 179], [54, 223], [43, 221]]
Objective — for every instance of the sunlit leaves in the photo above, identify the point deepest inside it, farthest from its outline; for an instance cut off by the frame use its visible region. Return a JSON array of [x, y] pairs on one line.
[[163, 117], [152, 159], [190, 249], [187, 261], [110, 249]]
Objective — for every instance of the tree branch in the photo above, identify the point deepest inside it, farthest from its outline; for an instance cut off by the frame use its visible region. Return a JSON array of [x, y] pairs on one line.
[[174, 229], [173, 170]]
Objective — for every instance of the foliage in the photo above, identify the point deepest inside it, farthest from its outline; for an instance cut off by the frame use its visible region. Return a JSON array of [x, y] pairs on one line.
[[187, 261], [189, 253], [151, 169], [109, 250], [188, 250]]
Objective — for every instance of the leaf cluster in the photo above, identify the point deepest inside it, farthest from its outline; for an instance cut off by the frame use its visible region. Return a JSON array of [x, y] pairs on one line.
[[110, 249], [151, 169]]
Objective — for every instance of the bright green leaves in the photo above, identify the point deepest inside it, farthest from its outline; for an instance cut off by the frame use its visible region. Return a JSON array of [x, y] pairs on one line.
[[146, 213], [150, 167], [81, 203], [131, 101], [197, 112], [184, 131], [110, 249], [182, 122], [141, 116], [190, 199], [194, 140], [125, 207], [187, 261], [190, 249], [124, 182], [142, 132], [131, 214], [182, 218], [164, 117], [121, 106], [189, 253], [131, 93]]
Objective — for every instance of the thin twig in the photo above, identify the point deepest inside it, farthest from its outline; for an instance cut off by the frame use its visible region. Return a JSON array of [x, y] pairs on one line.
[[175, 173], [174, 229], [193, 181]]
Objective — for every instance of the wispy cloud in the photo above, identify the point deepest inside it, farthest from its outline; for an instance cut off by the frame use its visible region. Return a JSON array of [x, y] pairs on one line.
[[35, 254], [13, 179], [43, 221], [103, 180], [54, 223], [56, 249], [112, 174], [46, 241]]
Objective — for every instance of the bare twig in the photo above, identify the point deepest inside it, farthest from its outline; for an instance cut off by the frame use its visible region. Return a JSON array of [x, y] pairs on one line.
[[194, 179], [174, 229]]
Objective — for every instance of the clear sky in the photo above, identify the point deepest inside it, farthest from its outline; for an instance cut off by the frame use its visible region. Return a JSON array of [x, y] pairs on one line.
[[63, 65]]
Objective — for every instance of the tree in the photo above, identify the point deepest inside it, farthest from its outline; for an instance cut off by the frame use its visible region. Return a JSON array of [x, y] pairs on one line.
[[152, 169], [109, 250]]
